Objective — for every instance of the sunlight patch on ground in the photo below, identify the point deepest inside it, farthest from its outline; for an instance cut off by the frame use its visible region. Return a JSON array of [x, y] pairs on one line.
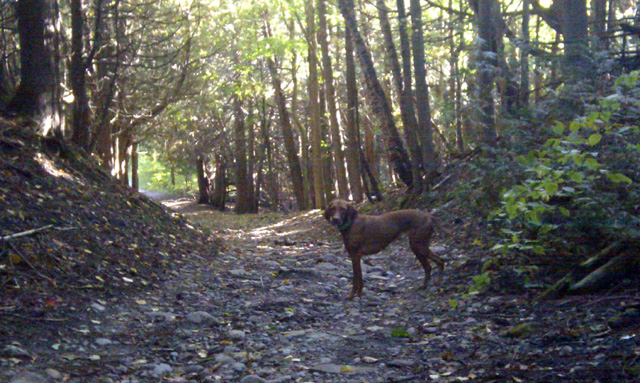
[[53, 169]]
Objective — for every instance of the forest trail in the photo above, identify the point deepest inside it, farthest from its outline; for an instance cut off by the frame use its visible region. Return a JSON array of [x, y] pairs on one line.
[[270, 308]]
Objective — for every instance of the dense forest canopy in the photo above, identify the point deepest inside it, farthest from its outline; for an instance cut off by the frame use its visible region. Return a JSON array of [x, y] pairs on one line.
[[292, 103]]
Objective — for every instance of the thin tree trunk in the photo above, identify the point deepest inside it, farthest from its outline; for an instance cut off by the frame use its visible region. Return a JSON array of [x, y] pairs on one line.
[[314, 109], [80, 120], [395, 148], [287, 133], [243, 197], [524, 55], [425, 129], [405, 97], [486, 71], [203, 181], [330, 97], [353, 144]]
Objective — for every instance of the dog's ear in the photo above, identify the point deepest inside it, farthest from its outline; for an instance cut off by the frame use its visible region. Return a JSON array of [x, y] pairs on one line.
[[351, 214]]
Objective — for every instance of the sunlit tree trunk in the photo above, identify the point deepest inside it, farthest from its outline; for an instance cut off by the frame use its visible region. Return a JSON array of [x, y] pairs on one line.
[[395, 148], [405, 98], [243, 188], [330, 96], [35, 96], [314, 106], [425, 128], [351, 133], [287, 133], [203, 181]]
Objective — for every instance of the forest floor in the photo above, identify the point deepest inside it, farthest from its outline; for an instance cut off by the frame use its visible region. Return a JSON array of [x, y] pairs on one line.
[[117, 290]]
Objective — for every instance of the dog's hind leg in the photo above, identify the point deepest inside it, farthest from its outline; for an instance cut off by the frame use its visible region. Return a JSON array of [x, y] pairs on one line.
[[418, 247]]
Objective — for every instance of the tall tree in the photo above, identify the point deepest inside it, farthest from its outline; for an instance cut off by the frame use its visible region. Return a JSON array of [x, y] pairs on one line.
[[314, 106], [354, 148], [425, 128], [244, 200], [381, 106], [330, 92], [35, 96], [80, 119], [405, 94], [487, 64], [287, 130]]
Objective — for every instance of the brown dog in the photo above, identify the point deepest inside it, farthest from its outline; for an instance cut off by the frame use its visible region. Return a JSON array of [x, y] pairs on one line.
[[367, 234]]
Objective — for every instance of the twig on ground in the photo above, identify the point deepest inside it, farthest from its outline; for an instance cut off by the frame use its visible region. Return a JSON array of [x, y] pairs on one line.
[[23, 233]]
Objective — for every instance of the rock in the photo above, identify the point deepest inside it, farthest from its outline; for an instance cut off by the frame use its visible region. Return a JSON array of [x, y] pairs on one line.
[[98, 307], [29, 377], [161, 369], [224, 359], [200, 317], [236, 334], [15, 352], [53, 374], [103, 341], [238, 273], [252, 379]]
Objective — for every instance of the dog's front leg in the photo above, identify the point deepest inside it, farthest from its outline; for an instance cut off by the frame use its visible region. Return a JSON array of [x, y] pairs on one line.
[[356, 289]]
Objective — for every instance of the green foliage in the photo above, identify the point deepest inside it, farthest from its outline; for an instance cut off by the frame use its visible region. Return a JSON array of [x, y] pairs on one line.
[[563, 174], [155, 175]]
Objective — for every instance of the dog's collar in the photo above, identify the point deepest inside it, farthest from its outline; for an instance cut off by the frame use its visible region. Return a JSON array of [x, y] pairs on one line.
[[344, 227]]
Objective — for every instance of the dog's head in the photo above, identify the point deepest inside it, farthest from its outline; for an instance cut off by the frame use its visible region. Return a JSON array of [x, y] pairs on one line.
[[341, 214]]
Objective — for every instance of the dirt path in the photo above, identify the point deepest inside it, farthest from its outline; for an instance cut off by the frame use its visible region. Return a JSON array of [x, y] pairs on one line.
[[270, 308]]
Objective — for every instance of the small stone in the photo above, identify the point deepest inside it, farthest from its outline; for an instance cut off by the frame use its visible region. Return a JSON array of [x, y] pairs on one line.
[[199, 317], [98, 307], [103, 341], [53, 374], [161, 369], [369, 359], [236, 334], [252, 379], [224, 359]]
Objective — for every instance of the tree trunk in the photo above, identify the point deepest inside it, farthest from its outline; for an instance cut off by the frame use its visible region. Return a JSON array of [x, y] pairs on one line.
[[425, 129], [135, 184], [243, 189], [524, 56], [287, 133], [330, 97], [405, 97], [35, 96], [80, 120], [578, 64], [203, 181], [351, 133], [219, 197], [314, 110], [486, 70], [395, 148]]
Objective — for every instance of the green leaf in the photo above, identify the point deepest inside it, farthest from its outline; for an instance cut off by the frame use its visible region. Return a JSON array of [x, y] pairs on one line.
[[617, 178], [399, 333], [594, 139], [576, 177], [592, 163], [564, 211], [558, 128]]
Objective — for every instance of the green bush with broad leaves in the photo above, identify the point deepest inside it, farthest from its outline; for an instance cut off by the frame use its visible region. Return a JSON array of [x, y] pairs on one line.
[[568, 173]]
